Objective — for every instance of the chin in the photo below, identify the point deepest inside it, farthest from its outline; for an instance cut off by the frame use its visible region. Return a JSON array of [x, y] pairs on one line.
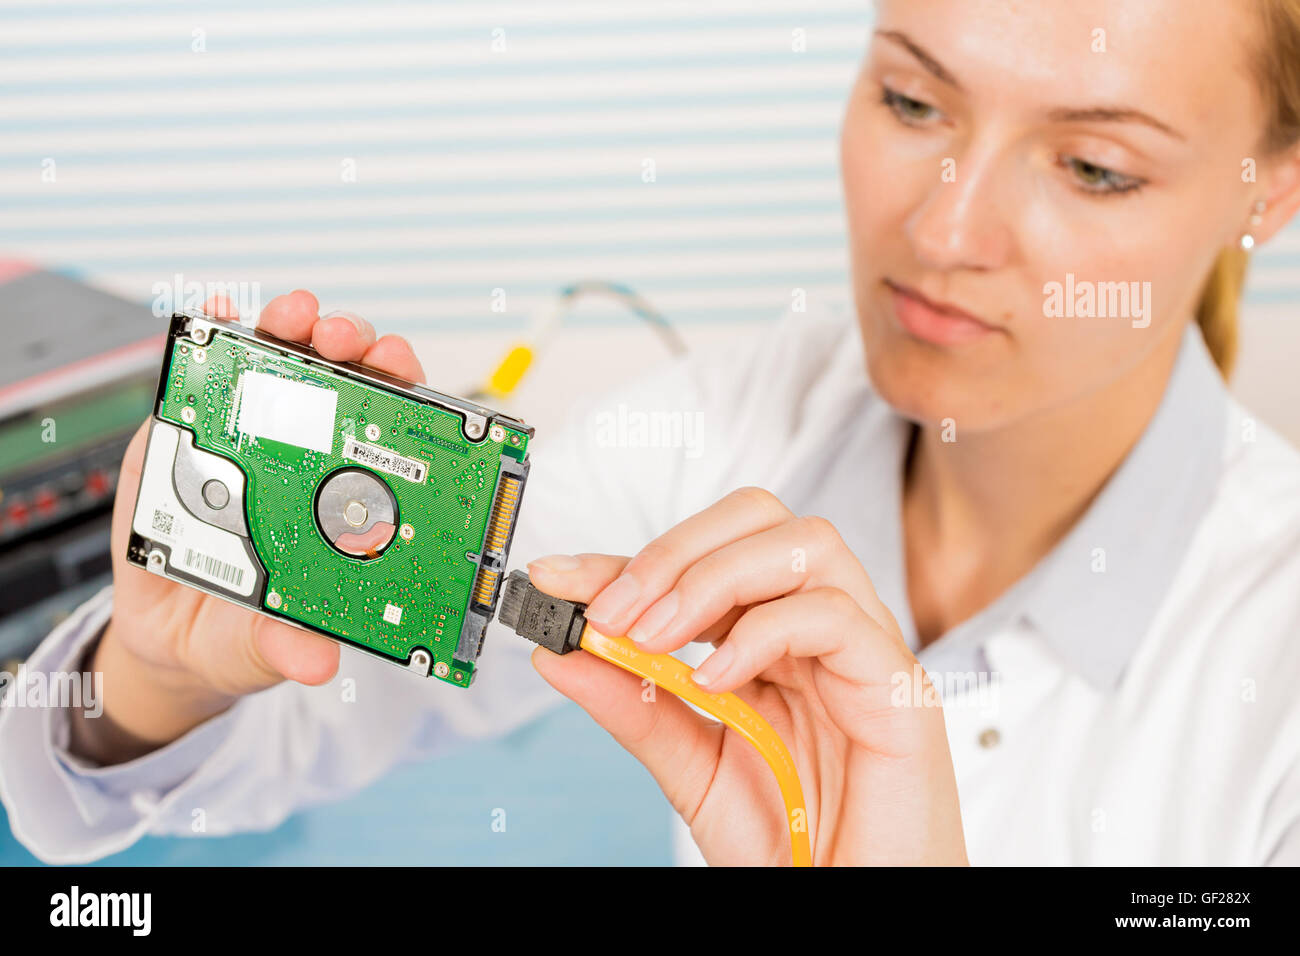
[[908, 386], [928, 385]]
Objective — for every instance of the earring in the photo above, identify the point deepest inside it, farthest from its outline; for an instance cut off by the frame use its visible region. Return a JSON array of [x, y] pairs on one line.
[[1256, 217]]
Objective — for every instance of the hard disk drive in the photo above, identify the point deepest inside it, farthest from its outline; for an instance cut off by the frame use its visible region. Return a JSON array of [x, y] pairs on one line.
[[337, 498]]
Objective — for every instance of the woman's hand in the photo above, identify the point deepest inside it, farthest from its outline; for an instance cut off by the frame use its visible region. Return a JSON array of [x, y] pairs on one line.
[[801, 636], [173, 656]]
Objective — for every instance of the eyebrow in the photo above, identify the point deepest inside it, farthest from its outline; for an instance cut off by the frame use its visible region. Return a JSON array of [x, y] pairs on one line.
[[924, 56], [1065, 114], [1112, 114]]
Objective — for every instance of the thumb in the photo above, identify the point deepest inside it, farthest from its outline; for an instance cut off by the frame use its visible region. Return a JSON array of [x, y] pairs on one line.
[[575, 577], [295, 654]]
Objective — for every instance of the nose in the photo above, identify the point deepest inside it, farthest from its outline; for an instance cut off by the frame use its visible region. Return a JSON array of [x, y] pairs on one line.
[[960, 223]]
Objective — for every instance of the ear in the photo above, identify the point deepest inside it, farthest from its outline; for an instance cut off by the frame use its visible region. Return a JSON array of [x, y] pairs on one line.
[[1281, 182]]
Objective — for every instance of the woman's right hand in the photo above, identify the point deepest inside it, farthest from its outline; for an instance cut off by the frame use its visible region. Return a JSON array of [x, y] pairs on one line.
[[173, 656]]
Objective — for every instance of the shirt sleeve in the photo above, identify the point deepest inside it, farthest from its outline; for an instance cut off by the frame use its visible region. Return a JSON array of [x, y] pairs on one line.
[[59, 806]]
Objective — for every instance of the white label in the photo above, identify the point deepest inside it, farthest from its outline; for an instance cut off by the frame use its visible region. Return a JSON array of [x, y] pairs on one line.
[[287, 411], [209, 567], [392, 614], [381, 459]]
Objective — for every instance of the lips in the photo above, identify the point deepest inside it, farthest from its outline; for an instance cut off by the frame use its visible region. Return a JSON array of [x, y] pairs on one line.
[[935, 322]]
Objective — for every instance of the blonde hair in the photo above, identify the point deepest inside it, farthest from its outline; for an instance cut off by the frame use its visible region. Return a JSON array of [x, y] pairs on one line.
[[1279, 78]]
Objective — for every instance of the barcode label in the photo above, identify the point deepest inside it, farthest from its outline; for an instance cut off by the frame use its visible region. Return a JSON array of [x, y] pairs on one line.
[[162, 522], [213, 568], [381, 459]]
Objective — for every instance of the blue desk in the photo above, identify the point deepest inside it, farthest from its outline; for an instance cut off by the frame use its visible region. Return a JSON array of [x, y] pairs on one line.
[[571, 796]]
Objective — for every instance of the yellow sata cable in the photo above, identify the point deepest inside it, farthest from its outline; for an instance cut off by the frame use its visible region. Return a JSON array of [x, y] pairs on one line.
[[559, 626]]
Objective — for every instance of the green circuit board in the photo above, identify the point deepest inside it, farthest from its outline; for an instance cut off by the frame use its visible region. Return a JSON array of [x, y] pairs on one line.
[[429, 570]]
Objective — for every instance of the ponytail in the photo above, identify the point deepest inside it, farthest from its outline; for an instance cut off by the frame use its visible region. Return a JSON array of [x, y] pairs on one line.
[[1216, 313]]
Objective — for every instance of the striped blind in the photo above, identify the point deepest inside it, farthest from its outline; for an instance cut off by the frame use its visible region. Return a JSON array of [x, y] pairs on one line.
[[434, 164], [443, 164]]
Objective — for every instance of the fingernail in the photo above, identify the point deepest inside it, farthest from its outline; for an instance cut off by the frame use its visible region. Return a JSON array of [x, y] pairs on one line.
[[712, 669], [654, 620], [614, 600], [357, 321], [556, 563]]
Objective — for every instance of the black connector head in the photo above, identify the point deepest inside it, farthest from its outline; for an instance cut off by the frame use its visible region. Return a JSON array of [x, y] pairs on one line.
[[552, 622]]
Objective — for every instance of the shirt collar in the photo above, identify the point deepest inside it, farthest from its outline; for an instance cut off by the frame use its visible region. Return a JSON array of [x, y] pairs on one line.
[[1095, 594]]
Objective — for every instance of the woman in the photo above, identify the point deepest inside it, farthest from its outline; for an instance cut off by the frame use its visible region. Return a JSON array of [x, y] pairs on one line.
[[1037, 481]]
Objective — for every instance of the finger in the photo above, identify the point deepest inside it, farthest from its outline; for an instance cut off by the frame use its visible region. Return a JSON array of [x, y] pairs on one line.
[[581, 577], [720, 628], [825, 623], [295, 654], [575, 577], [653, 571], [798, 555], [342, 336], [394, 355], [291, 317], [221, 307], [680, 748], [128, 483]]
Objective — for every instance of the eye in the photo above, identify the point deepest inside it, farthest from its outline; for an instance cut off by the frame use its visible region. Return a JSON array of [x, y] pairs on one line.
[[1099, 180], [910, 111]]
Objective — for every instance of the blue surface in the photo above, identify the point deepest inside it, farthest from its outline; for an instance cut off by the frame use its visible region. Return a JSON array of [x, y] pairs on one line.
[[570, 794]]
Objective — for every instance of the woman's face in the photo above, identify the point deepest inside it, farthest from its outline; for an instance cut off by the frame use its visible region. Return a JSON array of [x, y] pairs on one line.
[[1001, 159]]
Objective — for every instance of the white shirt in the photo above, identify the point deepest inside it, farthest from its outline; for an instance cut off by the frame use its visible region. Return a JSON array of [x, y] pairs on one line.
[[1131, 701]]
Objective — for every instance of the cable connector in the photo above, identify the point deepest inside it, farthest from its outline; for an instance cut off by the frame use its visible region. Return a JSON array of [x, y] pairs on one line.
[[552, 622]]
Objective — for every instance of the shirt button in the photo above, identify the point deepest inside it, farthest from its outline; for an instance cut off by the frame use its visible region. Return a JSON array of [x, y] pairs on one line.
[[990, 738]]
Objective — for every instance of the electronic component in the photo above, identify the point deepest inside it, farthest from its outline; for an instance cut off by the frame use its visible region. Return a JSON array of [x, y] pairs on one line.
[[77, 376], [329, 495], [552, 622]]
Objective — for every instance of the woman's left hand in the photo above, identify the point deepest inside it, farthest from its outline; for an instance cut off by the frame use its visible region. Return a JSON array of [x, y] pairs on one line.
[[803, 638]]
